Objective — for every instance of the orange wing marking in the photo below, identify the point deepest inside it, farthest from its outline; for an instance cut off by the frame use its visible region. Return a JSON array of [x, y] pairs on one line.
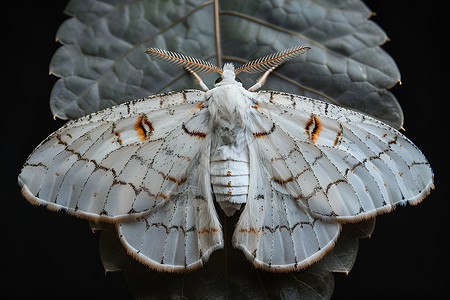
[[313, 128], [143, 127]]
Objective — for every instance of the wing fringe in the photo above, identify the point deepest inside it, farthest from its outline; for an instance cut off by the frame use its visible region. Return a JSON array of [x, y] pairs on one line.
[[273, 60], [294, 266], [191, 63]]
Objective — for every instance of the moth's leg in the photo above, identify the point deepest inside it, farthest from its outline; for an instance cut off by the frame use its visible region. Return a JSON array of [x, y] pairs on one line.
[[199, 80], [260, 82]]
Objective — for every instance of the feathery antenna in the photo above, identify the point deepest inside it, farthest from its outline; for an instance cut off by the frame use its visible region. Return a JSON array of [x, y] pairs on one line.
[[272, 61], [191, 63]]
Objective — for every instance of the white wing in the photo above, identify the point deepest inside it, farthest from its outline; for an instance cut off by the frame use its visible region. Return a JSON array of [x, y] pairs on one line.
[[276, 231], [314, 165], [346, 166], [130, 161], [182, 234]]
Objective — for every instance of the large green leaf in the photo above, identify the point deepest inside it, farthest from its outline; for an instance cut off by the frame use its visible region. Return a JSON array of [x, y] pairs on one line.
[[102, 63], [102, 60]]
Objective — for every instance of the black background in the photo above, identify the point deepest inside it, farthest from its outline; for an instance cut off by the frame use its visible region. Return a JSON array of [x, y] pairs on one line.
[[56, 255]]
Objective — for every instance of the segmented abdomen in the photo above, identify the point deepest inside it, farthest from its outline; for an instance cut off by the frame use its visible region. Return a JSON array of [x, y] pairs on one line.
[[230, 180]]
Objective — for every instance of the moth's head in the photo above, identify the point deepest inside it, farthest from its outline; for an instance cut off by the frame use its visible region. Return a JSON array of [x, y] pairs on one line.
[[228, 76]]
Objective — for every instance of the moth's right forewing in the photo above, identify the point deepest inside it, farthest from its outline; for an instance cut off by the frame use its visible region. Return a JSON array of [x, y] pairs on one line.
[[357, 166]]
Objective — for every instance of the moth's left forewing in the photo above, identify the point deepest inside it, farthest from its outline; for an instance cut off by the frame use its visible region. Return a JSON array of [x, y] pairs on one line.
[[99, 166], [360, 166], [143, 165]]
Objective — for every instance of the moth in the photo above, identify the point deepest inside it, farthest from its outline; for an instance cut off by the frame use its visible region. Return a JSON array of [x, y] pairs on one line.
[[294, 168]]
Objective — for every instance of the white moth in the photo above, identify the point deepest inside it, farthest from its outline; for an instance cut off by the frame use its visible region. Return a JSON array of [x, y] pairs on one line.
[[296, 167]]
